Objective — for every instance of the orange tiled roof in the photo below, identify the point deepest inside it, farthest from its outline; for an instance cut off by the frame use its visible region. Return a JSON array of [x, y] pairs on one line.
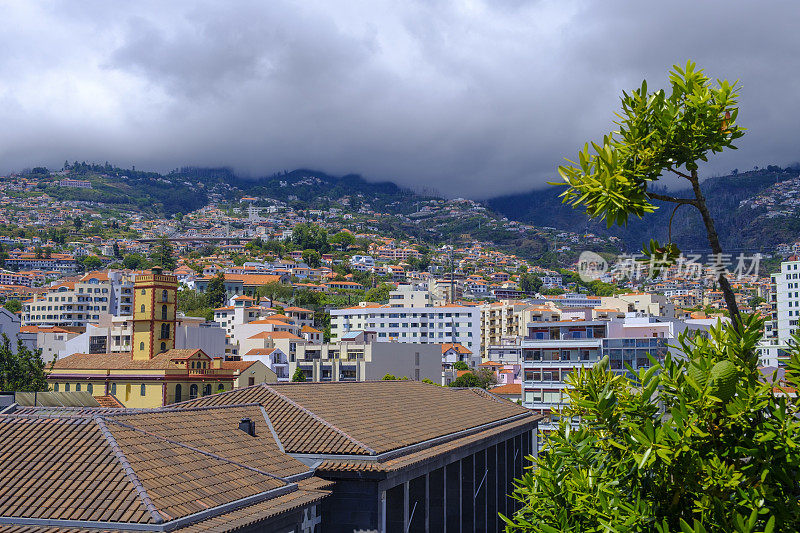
[[276, 335]]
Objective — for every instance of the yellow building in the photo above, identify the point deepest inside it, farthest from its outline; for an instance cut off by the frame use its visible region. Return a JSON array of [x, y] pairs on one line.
[[154, 373]]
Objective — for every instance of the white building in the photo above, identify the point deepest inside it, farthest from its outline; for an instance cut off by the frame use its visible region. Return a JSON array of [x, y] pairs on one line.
[[785, 303], [416, 324], [362, 263]]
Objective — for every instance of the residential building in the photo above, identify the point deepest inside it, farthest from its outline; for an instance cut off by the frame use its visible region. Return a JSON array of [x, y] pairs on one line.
[[507, 319], [551, 352], [92, 297], [357, 357], [241, 284], [249, 373], [418, 324], [784, 300], [640, 302]]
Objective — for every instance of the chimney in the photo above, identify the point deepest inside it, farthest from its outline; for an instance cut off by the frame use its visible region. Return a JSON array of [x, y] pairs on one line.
[[248, 426]]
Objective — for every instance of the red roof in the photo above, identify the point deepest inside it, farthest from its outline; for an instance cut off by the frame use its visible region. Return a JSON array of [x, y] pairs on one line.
[[512, 389]]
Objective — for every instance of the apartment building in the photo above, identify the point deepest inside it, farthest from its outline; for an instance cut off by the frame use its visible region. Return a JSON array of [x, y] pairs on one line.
[[551, 351], [784, 300], [507, 319], [640, 302], [418, 324], [64, 264], [76, 303], [359, 357]]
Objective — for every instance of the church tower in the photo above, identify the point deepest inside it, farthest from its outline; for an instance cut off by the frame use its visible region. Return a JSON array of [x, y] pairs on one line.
[[154, 307]]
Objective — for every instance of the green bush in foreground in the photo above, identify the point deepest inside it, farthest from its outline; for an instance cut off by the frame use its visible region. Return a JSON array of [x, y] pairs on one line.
[[698, 445]]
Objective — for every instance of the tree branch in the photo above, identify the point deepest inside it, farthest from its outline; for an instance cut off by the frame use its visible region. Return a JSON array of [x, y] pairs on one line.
[[713, 240], [666, 198], [679, 173]]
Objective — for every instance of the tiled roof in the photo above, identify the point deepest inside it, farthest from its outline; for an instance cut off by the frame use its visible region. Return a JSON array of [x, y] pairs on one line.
[[241, 366], [109, 401], [457, 346], [146, 467], [276, 335], [310, 417], [113, 361], [508, 389]]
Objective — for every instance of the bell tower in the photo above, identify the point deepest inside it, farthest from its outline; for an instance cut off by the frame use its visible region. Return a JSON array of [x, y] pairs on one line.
[[154, 307]]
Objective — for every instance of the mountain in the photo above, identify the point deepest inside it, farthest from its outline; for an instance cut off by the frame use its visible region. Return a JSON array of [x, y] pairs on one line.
[[752, 210], [189, 188]]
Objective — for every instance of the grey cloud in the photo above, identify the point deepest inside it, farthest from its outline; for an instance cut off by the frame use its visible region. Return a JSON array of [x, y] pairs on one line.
[[474, 99]]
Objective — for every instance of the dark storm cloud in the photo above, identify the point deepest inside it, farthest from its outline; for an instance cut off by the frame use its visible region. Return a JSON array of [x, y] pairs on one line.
[[471, 98]]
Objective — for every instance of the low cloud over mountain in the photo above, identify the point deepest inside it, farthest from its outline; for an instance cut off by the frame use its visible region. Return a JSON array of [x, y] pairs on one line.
[[471, 98]]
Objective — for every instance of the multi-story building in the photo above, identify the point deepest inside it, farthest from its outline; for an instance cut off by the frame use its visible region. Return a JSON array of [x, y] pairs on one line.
[[507, 319], [76, 303], [418, 324], [784, 301], [552, 351], [62, 263]]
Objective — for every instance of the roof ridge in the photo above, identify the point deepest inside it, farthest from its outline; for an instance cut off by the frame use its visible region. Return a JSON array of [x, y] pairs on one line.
[[204, 452], [129, 472], [322, 420]]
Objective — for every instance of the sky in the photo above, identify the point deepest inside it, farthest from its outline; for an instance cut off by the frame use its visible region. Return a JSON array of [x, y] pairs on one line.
[[467, 98]]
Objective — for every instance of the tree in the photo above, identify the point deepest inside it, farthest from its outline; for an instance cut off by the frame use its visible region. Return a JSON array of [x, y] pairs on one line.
[[486, 377], [379, 293], [78, 223], [529, 283], [658, 132], [299, 376], [164, 254], [134, 261], [117, 252], [343, 240], [215, 291], [460, 365], [47, 253], [22, 370], [310, 236], [466, 380], [724, 458], [13, 305], [274, 290], [91, 262], [312, 258]]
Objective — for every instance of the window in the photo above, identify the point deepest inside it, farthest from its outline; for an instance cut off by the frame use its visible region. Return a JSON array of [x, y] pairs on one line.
[[55, 387], [193, 392], [90, 388], [113, 388], [165, 331], [141, 309], [177, 392], [164, 295], [66, 387], [163, 312], [144, 292], [221, 387], [163, 346], [141, 346], [77, 387], [206, 389], [143, 390]]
